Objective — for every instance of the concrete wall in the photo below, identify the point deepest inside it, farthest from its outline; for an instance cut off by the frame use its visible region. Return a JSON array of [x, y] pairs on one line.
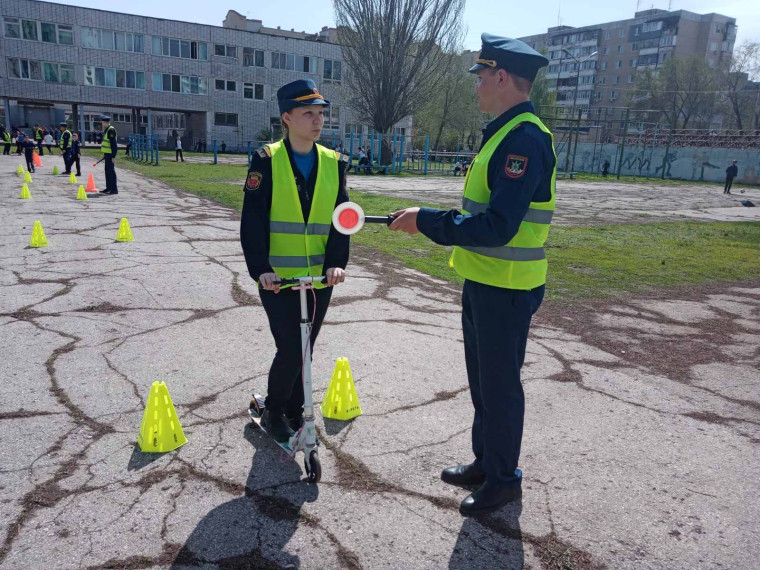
[[685, 163]]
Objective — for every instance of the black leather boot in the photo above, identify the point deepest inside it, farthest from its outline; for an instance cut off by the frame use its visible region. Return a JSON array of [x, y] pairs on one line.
[[488, 498], [463, 475], [276, 425]]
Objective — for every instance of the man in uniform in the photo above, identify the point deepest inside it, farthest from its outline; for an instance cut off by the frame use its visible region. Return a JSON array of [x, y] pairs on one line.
[[5, 138], [38, 135], [498, 237], [731, 173], [65, 146], [108, 147]]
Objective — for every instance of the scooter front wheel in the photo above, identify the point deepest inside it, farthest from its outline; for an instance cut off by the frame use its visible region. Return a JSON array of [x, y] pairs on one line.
[[313, 467]]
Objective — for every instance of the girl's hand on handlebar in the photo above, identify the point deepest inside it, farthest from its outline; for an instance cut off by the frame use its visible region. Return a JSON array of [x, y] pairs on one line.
[[267, 281], [334, 275]]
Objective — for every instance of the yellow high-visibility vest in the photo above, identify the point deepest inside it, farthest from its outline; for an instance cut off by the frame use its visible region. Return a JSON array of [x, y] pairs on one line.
[[297, 246], [521, 263]]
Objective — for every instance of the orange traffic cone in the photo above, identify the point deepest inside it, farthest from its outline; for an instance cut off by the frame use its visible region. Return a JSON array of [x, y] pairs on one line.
[[91, 184], [36, 159]]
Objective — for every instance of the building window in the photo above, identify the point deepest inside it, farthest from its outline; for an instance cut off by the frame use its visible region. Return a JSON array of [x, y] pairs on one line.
[[718, 29], [620, 49], [332, 71], [223, 85], [172, 47], [253, 57], [630, 79], [253, 91], [29, 30], [713, 46], [96, 38], [107, 77], [606, 50], [12, 28], [41, 71], [226, 119], [604, 65], [606, 34], [618, 64], [225, 51], [332, 118], [634, 62], [602, 80], [621, 33], [189, 85], [616, 80], [613, 95]]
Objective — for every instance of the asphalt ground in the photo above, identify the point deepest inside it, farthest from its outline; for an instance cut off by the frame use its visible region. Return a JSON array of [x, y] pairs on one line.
[[642, 421]]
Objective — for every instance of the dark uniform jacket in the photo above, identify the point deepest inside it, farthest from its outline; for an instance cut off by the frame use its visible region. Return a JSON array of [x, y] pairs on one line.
[[510, 196], [732, 171], [254, 220]]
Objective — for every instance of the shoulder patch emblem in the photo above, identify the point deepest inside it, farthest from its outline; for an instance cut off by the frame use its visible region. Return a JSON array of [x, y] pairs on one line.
[[516, 166], [253, 181], [264, 152]]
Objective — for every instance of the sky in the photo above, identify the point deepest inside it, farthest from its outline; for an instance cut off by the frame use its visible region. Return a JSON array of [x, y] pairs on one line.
[[480, 15]]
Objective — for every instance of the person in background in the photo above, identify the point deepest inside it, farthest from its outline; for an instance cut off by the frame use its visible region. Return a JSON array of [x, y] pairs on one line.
[[5, 138], [457, 167], [605, 168], [20, 137], [38, 136], [49, 141], [65, 146], [109, 149], [29, 153], [731, 173], [76, 153], [178, 151]]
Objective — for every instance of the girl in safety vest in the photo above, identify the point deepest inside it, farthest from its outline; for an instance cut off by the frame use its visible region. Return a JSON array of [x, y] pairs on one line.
[[291, 190]]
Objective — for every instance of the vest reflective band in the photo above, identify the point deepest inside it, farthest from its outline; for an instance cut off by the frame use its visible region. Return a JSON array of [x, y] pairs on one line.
[[521, 263], [105, 146], [296, 246], [63, 134]]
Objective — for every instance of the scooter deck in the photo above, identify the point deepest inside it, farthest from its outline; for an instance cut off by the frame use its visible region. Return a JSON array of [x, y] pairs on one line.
[[257, 420]]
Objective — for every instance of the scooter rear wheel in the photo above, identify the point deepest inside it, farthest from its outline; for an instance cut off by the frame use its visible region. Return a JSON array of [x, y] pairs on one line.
[[313, 467]]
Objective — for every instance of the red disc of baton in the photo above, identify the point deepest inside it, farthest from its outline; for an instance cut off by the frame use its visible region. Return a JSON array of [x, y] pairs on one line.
[[348, 218]]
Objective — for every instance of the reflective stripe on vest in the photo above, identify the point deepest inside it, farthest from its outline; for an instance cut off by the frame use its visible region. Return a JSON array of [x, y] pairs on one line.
[[297, 247], [520, 264], [60, 143], [105, 146]]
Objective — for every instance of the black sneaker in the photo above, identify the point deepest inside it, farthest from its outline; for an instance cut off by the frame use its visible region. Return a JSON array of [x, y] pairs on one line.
[[276, 425], [295, 421]]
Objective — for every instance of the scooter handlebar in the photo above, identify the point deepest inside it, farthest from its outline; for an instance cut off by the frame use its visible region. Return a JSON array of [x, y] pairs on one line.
[[299, 280]]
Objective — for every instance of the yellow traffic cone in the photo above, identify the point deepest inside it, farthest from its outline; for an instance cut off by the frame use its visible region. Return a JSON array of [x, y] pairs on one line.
[[341, 401], [81, 194], [25, 194], [72, 179], [27, 177], [160, 430], [38, 236], [125, 232], [55, 169], [20, 169]]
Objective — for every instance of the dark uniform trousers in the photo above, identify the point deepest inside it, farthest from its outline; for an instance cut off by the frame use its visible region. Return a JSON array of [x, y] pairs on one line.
[[495, 323], [285, 389], [110, 174]]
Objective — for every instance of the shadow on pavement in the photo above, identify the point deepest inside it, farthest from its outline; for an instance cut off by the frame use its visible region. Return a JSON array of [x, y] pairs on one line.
[[251, 531], [495, 542]]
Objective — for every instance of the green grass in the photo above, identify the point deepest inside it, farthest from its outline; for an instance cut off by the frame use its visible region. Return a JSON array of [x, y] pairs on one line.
[[584, 262]]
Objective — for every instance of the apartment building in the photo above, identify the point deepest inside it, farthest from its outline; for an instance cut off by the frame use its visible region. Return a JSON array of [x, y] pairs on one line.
[[595, 65], [155, 76]]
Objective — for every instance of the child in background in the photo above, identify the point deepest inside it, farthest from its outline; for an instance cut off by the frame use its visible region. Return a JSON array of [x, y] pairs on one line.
[[29, 147]]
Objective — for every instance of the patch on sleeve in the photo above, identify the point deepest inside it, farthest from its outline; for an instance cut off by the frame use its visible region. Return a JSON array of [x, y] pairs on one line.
[[516, 166], [264, 152], [253, 181]]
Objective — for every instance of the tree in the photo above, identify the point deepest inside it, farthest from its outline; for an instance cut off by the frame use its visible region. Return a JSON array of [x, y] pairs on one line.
[[451, 114], [737, 77], [396, 51], [683, 90]]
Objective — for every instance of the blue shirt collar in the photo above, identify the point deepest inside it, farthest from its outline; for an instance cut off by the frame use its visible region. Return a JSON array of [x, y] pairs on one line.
[[493, 127]]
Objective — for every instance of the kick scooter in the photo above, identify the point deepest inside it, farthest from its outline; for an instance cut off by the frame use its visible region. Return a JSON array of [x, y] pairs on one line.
[[305, 439]]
